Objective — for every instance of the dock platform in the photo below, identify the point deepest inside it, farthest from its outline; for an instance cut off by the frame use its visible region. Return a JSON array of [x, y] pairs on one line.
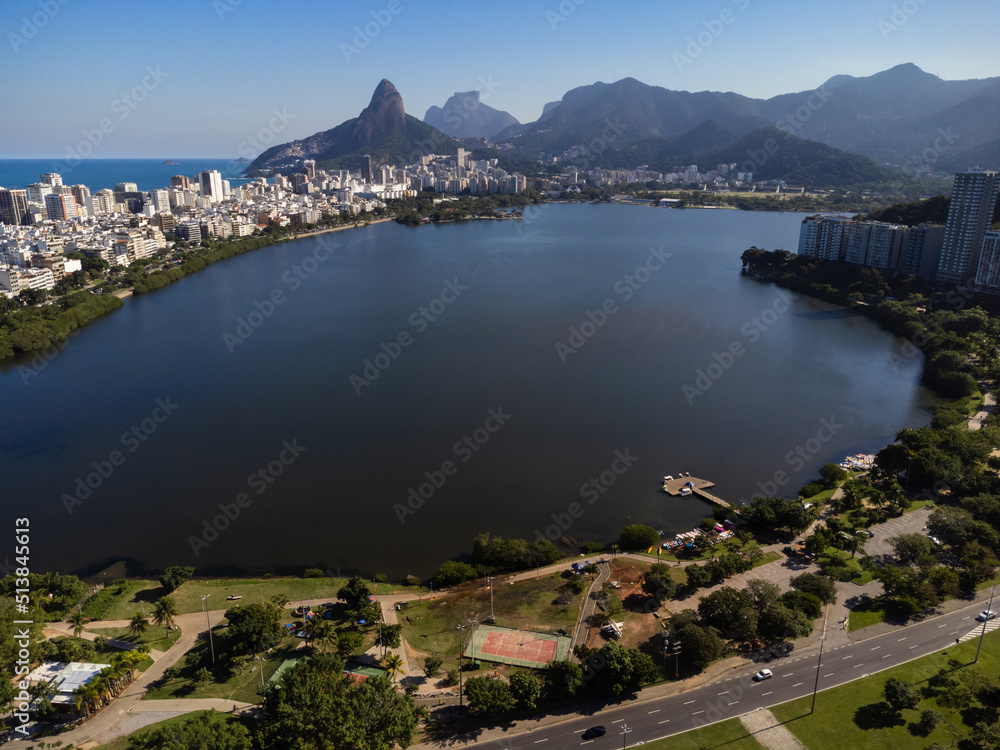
[[700, 488]]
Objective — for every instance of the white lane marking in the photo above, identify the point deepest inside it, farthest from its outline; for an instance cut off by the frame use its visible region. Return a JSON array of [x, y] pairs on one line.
[[788, 675], [688, 702], [663, 722], [545, 740], [831, 673], [913, 647], [887, 656], [698, 712], [724, 692], [616, 721], [849, 656], [796, 684], [767, 693], [901, 639], [654, 711], [876, 648]]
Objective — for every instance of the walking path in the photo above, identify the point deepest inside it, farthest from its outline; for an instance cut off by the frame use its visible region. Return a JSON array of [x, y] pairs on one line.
[[769, 732]]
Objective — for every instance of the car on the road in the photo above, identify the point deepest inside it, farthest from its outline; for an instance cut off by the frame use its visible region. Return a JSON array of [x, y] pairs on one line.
[[594, 732], [764, 674], [986, 614], [870, 533]]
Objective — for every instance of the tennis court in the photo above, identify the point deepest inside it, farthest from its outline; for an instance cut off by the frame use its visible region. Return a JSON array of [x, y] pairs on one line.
[[522, 648]]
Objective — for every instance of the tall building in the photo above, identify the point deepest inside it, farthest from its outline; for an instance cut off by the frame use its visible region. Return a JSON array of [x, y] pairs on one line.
[[366, 169], [14, 207], [81, 193], [60, 207], [211, 185], [180, 181], [126, 187], [51, 178], [988, 273], [973, 198], [160, 199], [37, 193], [309, 168], [923, 250]]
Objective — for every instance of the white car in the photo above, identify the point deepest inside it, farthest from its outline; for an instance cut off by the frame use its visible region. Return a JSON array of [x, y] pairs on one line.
[[986, 614], [764, 674]]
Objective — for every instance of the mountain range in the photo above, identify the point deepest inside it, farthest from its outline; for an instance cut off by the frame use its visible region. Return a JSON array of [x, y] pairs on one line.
[[846, 131], [465, 116]]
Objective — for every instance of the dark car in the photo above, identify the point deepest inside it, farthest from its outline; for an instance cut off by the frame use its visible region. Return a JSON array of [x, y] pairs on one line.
[[594, 732]]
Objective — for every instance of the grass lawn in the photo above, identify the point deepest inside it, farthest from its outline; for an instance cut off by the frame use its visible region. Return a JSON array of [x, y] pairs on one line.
[[119, 601], [124, 743], [156, 636], [844, 716], [918, 504], [870, 613], [431, 626], [730, 734], [243, 686], [833, 556]]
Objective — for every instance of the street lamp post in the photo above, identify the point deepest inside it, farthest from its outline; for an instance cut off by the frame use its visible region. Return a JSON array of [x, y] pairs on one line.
[[982, 634], [208, 621], [472, 634], [625, 730], [490, 581], [461, 645]]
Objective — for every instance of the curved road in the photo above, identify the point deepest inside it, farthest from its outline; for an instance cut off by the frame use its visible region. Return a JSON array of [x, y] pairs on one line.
[[664, 710]]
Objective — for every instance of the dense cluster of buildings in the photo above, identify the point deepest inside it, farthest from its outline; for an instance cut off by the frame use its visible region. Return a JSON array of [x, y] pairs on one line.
[[720, 178], [961, 252], [42, 222]]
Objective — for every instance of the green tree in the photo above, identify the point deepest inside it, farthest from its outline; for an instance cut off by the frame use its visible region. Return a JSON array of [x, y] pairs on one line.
[[432, 665], [817, 585], [253, 628], [762, 593], [348, 642], [909, 548], [208, 730], [658, 583], [731, 611], [174, 576], [781, 622], [832, 474], [389, 636], [164, 612], [315, 706], [638, 537], [525, 689], [900, 694], [393, 664], [355, 593], [489, 696], [563, 679], [77, 620], [137, 625], [700, 646], [697, 576], [453, 572]]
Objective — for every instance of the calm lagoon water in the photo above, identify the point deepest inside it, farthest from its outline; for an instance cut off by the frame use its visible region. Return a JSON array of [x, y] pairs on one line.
[[300, 396]]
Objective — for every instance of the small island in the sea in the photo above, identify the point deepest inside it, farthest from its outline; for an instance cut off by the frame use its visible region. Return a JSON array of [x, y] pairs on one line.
[[171, 162]]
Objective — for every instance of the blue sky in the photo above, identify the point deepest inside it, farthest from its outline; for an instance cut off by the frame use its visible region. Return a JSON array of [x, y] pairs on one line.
[[205, 78]]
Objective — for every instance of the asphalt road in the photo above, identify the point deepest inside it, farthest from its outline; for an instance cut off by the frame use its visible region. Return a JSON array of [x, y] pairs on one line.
[[794, 677]]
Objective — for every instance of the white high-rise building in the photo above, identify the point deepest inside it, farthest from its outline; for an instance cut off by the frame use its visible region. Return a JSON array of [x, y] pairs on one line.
[[160, 199], [970, 213], [51, 178], [211, 185]]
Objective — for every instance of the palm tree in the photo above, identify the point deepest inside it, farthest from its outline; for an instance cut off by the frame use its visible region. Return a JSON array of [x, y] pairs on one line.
[[165, 612], [320, 632], [393, 664], [137, 625], [77, 620]]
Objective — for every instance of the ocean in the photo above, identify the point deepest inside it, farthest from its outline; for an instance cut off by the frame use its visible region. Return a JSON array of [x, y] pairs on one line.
[[97, 174]]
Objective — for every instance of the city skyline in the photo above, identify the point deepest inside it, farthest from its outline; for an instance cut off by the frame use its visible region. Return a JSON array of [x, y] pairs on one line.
[[192, 79]]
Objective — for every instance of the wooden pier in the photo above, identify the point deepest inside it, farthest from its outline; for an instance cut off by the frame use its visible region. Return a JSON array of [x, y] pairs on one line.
[[698, 487]]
